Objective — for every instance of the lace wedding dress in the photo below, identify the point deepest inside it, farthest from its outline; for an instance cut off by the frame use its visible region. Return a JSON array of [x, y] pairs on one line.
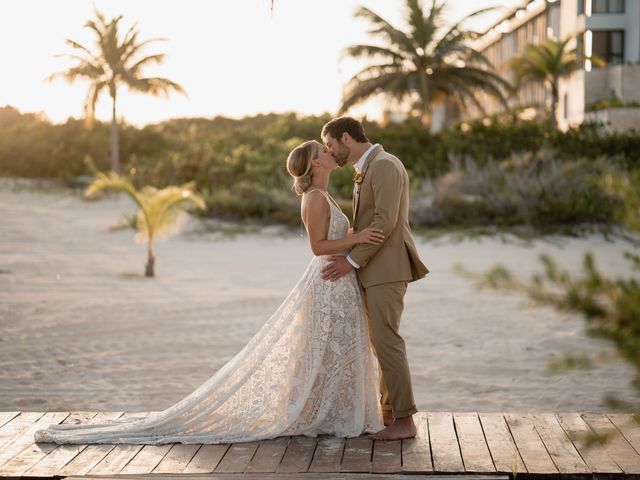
[[309, 370]]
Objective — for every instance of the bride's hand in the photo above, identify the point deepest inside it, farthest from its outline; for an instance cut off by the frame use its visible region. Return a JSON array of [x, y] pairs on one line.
[[370, 235]]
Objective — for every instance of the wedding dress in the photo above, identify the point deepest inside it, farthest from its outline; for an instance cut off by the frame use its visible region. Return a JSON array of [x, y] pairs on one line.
[[309, 370]]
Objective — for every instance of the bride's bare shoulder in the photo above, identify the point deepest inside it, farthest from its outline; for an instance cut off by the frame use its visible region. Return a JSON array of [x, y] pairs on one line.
[[314, 203]]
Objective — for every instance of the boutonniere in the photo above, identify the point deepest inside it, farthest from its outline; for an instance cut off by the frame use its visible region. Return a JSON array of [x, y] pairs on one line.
[[358, 177]]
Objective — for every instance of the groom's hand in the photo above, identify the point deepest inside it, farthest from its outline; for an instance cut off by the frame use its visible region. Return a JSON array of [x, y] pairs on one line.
[[338, 267]]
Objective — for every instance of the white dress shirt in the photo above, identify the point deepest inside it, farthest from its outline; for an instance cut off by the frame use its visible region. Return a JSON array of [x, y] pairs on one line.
[[358, 166]]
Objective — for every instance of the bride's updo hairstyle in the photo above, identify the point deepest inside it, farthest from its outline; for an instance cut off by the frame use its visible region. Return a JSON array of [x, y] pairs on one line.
[[299, 165]]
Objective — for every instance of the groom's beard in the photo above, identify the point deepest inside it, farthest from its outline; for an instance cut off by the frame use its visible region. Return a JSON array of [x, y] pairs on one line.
[[341, 157], [341, 161]]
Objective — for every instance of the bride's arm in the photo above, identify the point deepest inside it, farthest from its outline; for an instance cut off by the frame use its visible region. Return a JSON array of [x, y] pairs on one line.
[[316, 216]]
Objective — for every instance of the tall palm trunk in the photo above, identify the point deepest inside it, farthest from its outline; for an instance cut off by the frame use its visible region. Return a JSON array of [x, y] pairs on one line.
[[554, 103], [115, 154]]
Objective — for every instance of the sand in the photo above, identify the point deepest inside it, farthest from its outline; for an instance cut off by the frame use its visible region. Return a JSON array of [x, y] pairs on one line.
[[81, 329]]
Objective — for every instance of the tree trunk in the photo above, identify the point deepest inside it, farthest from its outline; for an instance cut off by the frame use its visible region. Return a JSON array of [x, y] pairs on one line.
[[554, 104], [115, 155], [149, 269]]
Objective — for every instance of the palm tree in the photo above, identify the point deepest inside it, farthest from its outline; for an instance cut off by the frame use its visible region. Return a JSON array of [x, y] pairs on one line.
[[424, 65], [114, 63], [547, 63], [158, 209]]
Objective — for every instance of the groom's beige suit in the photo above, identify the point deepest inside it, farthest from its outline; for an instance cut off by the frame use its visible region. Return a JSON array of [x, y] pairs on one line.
[[381, 199]]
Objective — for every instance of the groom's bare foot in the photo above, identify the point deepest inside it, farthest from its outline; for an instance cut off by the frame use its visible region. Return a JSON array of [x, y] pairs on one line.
[[387, 417], [401, 428]]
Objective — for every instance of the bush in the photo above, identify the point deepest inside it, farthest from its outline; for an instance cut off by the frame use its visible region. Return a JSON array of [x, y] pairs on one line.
[[535, 189], [224, 155]]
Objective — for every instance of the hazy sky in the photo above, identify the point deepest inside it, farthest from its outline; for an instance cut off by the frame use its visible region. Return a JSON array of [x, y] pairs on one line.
[[233, 57]]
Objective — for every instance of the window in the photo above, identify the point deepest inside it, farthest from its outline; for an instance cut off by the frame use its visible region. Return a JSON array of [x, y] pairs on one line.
[[609, 45], [580, 7], [607, 6], [616, 6], [599, 6]]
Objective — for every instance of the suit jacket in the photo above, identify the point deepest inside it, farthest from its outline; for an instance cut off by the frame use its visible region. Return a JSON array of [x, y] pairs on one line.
[[382, 199]]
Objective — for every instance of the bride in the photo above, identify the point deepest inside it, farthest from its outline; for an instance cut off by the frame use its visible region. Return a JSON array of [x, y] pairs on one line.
[[309, 370]]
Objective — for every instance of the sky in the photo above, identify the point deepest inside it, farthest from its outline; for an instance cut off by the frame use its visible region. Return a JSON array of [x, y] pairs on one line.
[[233, 57]]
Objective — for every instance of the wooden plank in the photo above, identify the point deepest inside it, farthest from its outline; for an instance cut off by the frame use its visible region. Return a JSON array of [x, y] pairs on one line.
[[207, 458], [309, 476], [594, 455], [615, 444], [237, 457], [25, 439], [146, 460], [117, 456], [6, 417], [387, 456], [328, 454], [416, 452], [85, 460], [560, 448], [17, 425], [268, 456], [116, 459], [19, 464], [444, 443], [26, 459], [177, 459], [506, 457], [629, 426], [357, 455], [532, 450], [473, 446], [298, 455], [63, 454]]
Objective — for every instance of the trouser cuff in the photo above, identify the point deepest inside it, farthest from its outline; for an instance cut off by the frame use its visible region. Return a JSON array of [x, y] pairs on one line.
[[405, 413]]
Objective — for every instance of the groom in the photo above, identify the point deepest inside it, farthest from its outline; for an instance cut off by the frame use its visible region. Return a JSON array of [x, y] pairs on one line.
[[381, 199]]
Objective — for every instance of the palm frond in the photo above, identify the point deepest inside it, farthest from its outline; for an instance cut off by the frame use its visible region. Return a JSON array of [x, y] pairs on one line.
[[78, 46], [156, 86], [91, 100], [135, 48], [113, 181], [373, 51], [149, 60], [390, 82], [381, 26], [163, 206]]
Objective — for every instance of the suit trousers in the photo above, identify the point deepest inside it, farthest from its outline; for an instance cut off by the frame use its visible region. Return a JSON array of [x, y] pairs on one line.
[[384, 304]]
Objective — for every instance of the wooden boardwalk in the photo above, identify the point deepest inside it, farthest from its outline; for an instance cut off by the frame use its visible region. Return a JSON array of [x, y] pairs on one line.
[[477, 445]]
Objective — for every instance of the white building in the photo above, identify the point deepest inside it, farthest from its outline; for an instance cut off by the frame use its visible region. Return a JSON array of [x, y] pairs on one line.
[[609, 29]]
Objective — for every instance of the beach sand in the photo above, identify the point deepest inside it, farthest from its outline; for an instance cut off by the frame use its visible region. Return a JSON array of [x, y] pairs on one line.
[[81, 329]]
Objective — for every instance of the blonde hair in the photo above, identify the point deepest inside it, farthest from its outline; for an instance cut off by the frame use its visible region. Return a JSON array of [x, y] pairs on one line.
[[299, 165]]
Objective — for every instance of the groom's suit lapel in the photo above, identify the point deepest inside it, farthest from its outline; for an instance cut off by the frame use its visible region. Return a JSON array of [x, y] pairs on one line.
[[357, 187]]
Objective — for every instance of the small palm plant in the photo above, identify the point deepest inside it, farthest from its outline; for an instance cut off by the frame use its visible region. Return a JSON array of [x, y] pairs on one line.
[[158, 209]]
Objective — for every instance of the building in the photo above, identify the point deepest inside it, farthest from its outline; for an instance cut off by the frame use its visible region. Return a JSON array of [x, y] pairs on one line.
[[609, 29]]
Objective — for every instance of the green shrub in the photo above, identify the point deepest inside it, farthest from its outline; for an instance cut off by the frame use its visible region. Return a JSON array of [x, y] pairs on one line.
[[220, 154], [533, 189]]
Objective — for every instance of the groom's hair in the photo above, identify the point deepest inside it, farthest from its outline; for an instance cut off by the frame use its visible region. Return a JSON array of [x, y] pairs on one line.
[[350, 125]]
